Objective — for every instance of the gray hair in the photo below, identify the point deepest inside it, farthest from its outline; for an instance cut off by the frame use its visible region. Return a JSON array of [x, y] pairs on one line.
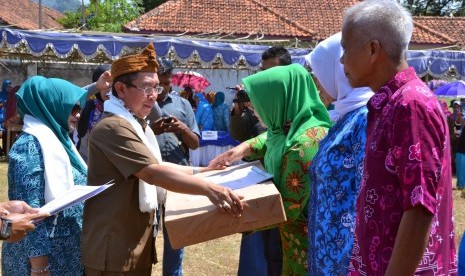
[[382, 20]]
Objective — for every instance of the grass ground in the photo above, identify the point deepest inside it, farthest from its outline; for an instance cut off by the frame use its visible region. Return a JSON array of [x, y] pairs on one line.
[[217, 257], [220, 257]]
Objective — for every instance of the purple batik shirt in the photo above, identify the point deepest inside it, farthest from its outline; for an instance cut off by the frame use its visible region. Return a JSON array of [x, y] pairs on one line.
[[407, 164]]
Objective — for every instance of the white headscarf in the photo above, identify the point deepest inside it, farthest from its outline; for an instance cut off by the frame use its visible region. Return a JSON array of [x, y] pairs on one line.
[[325, 63]]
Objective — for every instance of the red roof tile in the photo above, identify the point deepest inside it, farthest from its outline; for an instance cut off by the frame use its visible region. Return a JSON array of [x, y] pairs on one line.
[[24, 14], [451, 27], [426, 35], [323, 17], [307, 20], [242, 17]]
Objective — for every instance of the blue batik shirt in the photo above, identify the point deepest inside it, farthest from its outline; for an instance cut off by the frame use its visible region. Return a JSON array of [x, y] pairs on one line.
[[335, 176]]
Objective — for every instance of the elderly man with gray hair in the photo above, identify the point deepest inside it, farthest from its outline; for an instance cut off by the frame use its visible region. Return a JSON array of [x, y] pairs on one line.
[[404, 211]]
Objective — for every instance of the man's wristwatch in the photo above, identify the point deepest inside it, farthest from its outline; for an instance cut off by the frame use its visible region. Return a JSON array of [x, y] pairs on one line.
[[5, 231]]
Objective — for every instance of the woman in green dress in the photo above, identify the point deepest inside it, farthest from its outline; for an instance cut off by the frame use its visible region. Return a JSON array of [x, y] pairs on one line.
[[286, 100]]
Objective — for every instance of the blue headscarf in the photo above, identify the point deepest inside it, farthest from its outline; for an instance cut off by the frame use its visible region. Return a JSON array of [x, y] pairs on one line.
[[51, 101], [204, 113], [219, 99], [4, 93]]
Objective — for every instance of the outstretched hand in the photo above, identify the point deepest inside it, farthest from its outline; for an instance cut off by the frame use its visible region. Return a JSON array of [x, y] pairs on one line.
[[225, 199], [227, 158]]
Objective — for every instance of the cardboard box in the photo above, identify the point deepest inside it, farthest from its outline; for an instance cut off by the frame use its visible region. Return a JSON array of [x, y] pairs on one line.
[[193, 219]]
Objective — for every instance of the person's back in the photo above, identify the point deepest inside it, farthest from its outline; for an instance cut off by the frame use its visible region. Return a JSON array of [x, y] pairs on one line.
[[220, 113], [243, 124], [204, 113]]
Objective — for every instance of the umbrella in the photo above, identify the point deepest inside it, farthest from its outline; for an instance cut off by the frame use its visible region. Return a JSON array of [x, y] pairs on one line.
[[452, 89], [190, 78]]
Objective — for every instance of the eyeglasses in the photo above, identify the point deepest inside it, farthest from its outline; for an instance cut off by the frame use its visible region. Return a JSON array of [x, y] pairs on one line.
[[147, 90], [76, 109]]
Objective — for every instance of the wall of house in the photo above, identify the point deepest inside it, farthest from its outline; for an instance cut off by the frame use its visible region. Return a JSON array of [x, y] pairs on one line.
[[18, 72]]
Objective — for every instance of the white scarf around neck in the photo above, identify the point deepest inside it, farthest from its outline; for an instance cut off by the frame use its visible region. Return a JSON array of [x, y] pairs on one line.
[[148, 200], [58, 171]]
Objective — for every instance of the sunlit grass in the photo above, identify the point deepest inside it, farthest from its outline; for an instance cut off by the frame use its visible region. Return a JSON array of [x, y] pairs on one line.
[[221, 256]]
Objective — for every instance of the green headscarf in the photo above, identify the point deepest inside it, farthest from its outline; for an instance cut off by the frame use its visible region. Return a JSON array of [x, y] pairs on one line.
[[51, 101], [281, 94]]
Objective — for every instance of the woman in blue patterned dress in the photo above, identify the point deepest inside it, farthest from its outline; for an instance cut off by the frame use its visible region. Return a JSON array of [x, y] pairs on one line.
[[43, 164], [337, 167]]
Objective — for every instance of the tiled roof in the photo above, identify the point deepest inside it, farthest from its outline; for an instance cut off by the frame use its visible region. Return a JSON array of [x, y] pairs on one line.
[[238, 17], [307, 20], [24, 14], [426, 35], [452, 27], [322, 17]]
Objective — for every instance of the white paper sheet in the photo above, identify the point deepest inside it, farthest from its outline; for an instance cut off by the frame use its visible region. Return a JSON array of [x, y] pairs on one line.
[[72, 197], [240, 178]]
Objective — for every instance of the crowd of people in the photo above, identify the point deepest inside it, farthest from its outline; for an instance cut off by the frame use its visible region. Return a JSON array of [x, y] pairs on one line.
[[359, 150]]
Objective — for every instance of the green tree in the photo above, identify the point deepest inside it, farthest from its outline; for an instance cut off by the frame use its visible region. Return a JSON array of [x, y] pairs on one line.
[[435, 7], [149, 5], [104, 15]]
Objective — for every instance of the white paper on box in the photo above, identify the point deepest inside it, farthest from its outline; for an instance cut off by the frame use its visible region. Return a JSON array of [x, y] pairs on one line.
[[194, 219], [240, 178]]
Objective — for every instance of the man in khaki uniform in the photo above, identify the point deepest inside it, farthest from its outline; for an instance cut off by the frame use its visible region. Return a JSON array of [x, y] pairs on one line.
[[117, 236]]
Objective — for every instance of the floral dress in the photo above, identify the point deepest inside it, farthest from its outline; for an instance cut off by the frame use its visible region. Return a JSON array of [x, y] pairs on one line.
[[295, 191], [335, 174], [60, 242]]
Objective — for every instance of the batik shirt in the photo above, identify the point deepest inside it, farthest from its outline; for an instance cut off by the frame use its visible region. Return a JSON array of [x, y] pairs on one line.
[[335, 176], [407, 164], [294, 188], [95, 115], [58, 237]]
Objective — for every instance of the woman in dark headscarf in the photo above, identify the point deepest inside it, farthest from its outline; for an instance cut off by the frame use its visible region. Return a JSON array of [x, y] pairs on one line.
[[286, 100], [43, 165], [220, 113]]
